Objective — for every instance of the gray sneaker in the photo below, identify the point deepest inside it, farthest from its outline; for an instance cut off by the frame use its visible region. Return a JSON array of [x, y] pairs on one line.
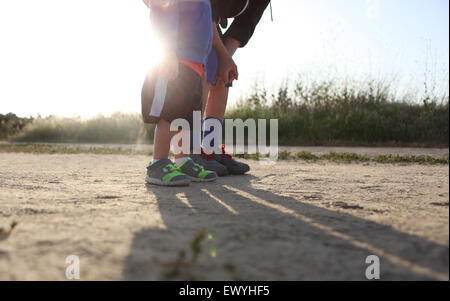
[[233, 166], [165, 173], [208, 163], [196, 172]]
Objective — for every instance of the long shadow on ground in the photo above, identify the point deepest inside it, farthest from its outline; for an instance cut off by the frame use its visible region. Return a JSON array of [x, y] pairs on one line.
[[254, 234]]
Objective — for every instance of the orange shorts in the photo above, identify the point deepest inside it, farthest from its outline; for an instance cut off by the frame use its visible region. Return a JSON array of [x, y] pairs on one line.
[[197, 67]]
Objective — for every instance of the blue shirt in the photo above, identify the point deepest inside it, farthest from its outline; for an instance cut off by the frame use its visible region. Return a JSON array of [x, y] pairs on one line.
[[184, 26]]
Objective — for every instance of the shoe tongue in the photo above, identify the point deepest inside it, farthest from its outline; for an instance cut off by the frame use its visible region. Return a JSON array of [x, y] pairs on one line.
[[161, 162], [186, 162]]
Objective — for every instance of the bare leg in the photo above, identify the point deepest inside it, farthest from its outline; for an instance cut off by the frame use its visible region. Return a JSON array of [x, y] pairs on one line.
[[205, 96], [160, 172], [161, 140], [217, 102], [180, 144]]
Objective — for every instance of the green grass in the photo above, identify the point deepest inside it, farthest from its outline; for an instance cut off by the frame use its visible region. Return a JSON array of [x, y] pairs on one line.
[[326, 112], [344, 157], [410, 159], [306, 156], [183, 267], [284, 155], [337, 157], [331, 113], [118, 128]]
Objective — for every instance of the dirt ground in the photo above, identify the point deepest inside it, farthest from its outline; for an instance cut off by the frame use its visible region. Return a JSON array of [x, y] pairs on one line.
[[290, 221]]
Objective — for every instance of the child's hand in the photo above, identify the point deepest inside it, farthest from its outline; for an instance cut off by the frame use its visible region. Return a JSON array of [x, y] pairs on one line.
[[227, 71], [169, 66]]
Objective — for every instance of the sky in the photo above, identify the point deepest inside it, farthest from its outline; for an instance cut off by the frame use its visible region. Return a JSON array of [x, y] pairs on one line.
[[84, 57]]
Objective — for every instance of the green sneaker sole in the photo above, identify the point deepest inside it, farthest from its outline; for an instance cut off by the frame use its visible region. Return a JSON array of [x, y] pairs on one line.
[[158, 182], [198, 180]]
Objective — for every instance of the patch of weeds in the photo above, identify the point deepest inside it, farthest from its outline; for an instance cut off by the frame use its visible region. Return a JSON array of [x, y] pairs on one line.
[[182, 266], [344, 157], [284, 155], [306, 156], [196, 245], [4, 234], [392, 159]]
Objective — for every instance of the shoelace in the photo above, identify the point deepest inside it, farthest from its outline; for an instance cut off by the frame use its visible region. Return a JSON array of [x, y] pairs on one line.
[[206, 156], [224, 154], [211, 157]]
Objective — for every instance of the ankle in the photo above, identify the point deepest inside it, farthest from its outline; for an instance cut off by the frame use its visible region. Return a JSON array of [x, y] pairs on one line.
[[180, 161], [212, 135]]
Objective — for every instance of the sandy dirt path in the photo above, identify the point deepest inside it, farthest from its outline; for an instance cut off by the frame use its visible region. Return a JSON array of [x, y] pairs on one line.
[[290, 221]]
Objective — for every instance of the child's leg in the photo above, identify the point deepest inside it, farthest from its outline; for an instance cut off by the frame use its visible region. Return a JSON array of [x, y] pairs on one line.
[[181, 157], [214, 116], [162, 171], [161, 140], [205, 95], [217, 102]]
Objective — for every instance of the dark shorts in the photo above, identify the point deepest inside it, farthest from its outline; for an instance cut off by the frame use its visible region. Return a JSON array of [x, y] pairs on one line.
[[170, 100]]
